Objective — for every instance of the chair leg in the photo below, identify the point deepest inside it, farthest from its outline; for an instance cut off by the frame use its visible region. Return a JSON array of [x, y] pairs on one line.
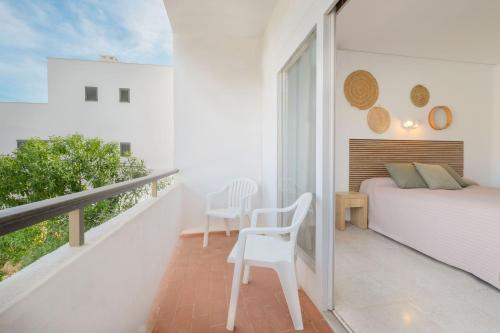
[[246, 274], [226, 223], [289, 284], [296, 274], [233, 301], [297, 279], [205, 235]]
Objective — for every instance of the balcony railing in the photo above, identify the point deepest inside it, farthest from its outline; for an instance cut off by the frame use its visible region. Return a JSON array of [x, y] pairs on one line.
[[15, 218]]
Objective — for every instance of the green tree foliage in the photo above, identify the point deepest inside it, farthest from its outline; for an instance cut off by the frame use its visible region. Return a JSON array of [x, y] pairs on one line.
[[41, 170]]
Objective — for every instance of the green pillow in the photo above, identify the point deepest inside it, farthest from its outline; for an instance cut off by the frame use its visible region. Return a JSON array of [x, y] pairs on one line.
[[405, 175], [455, 175], [468, 182], [436, 177]]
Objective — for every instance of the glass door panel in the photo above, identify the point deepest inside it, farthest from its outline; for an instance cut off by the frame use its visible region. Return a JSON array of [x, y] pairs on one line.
[[297, 148]]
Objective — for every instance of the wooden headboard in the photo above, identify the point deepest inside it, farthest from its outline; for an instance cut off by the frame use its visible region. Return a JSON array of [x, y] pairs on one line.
[[368, 156]]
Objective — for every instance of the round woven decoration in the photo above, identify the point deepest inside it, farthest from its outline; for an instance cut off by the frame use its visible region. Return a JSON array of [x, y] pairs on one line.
[[361, 89], [419, 96], [433, 121], [379, 119]]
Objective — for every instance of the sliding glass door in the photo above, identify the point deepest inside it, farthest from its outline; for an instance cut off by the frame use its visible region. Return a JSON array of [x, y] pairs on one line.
[[297, 140]]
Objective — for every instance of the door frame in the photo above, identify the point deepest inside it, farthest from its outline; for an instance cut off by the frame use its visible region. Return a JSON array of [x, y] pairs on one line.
[[321, 280], [329, 52]]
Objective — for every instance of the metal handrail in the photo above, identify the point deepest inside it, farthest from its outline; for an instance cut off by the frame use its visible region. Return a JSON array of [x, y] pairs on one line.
[[15, 218]]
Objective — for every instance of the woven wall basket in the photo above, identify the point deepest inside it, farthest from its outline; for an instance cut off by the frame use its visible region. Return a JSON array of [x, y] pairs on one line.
[[379, 120], [432, 117], [361, 89], [419, 96]]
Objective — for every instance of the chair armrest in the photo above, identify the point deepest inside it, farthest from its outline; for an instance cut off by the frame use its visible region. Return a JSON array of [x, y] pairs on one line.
[[212, 195], [242, 237], [264, 230], [257, 212]]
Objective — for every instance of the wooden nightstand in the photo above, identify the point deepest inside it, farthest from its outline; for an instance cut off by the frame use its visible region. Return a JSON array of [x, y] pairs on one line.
[[358, 203]]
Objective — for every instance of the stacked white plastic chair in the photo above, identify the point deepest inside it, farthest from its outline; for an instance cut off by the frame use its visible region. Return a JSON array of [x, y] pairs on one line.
[[260, 246], [238, 204]]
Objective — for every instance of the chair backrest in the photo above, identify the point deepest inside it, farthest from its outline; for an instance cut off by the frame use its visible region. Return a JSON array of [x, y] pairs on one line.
[[239, 188], [302, 207]]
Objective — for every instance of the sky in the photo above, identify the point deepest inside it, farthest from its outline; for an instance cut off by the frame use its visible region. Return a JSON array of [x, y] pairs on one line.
[[31, 31]]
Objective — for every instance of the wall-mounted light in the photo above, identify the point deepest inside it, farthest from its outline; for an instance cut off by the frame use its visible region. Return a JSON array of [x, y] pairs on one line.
[[409, 124]]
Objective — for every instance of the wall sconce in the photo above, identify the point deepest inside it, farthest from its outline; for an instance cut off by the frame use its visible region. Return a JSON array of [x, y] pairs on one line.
[[410, 124]]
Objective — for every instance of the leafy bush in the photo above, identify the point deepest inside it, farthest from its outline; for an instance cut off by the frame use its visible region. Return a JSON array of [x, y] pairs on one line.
[[41, 170]]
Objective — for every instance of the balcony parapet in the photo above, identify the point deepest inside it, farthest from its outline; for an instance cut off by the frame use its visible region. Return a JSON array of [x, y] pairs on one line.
[[107, 285], [15, 218]]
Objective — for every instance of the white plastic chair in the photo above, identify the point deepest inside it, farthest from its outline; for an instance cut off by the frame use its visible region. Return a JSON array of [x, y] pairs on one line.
[[259, 246], [238, 203]]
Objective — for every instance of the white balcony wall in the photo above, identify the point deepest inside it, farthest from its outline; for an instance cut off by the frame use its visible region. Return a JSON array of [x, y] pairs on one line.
[[217, 115], [108, 285], [146, 122]]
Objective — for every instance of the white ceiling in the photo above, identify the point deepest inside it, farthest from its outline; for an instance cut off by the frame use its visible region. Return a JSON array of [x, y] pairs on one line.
[[242, 18], [457, 30]]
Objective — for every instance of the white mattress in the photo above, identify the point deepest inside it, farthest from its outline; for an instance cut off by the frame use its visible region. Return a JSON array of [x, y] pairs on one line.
[[460, 228]]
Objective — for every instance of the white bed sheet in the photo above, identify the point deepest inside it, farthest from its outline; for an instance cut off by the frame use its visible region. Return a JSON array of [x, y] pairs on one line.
[[460, 228]]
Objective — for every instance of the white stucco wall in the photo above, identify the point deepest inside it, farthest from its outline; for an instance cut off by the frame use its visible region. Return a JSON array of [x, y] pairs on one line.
[[108, 285], [466, 88], [146, 122], [217, 116], [495, 129]]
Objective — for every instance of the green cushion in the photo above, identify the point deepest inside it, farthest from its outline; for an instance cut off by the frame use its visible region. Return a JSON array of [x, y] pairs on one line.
[[468, 182], [436, 177], [405, 175], [455, 175]]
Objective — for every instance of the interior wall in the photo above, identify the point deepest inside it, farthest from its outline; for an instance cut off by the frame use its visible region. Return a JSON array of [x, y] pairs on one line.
[[217, 116], [466, 88], [495, 129], [291, 23]]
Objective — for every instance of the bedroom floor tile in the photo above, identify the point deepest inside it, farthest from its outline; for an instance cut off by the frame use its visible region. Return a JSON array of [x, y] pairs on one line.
[[383, 286], [455, 314], [396, 317]]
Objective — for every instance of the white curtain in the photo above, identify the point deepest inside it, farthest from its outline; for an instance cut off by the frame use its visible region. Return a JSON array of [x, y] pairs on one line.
[[298, 141]]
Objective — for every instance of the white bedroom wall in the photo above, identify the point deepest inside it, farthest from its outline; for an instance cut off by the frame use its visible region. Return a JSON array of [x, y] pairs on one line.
[[466, 88], [495, 129]]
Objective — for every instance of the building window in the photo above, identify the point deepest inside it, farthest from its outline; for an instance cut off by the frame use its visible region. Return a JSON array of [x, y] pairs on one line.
[[90, 94], [20, 143], [125, 149], [124, 95]]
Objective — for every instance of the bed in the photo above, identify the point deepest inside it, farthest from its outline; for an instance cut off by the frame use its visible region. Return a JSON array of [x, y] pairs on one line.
[[460, 228]]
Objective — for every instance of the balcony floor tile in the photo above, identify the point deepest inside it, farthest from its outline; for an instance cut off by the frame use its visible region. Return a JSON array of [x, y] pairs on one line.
[[194, 294]]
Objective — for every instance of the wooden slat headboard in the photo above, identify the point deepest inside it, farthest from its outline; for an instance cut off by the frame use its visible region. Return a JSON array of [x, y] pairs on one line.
[[368, 156]]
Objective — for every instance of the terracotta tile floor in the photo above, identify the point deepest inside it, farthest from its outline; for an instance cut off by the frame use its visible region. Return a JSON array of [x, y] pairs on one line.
[[194, 294]]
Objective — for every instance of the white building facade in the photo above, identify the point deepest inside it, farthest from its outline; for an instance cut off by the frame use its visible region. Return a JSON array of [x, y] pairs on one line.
[[130, 104]]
